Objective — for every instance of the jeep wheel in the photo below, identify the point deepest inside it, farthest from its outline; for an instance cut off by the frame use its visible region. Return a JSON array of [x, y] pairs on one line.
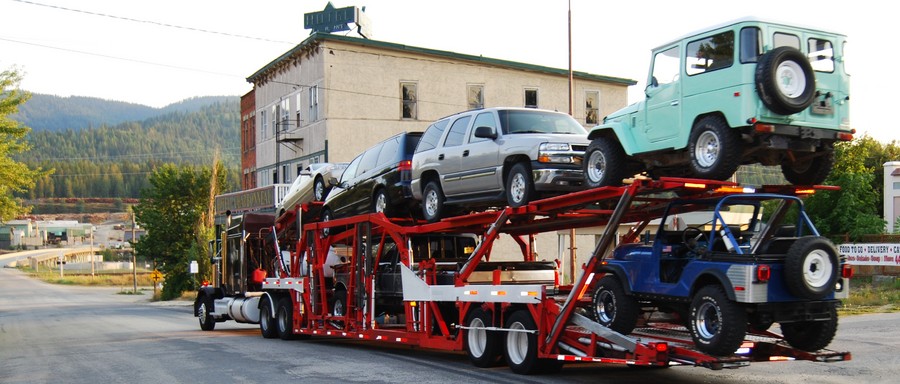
[[432, 201], [812, 171], [811, 336], [519, 186], [613, 308], [715, 149], [717, 325], [605, 163], [785, 81], [811, 268]]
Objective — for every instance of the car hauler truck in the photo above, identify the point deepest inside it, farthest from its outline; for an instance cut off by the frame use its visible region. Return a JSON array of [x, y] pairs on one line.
[[438, 286]]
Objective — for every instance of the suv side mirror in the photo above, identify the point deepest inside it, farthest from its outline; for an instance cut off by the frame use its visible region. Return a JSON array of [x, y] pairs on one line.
[[486, 133]]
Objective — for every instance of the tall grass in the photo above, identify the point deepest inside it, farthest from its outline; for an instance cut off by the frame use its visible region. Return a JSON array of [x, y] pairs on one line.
[[866, 297]]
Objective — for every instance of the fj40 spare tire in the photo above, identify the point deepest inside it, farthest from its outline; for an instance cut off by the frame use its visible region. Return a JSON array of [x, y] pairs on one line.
[[785, 81]]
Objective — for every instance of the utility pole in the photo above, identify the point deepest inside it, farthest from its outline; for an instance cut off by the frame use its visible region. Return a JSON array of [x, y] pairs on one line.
[[92, 252], [133, 254]]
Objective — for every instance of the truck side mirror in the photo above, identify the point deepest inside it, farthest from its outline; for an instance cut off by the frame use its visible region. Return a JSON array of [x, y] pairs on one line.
[[486, 133]]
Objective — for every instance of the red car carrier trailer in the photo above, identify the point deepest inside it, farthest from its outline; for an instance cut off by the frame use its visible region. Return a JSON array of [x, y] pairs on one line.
[[436, 286]]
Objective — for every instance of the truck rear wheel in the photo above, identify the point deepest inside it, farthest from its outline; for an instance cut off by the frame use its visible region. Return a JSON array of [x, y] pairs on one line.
[[717, 325], [482, 346], [613, 308], [811, 336], [285, 316], [207, 322], [715, 149], [811, 268], [267, 323]]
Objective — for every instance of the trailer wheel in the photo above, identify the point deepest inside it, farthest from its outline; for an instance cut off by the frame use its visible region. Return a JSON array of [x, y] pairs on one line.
[[482, 346], [267, 324], [715, 149], [613, 308], [207, 322], [519, 185], [521, 351], [605, 163], [285, 316], [811, 336], [339, 304], [717, 325], [811, 267]]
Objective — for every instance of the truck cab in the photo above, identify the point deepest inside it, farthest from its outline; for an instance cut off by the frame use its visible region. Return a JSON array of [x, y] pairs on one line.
[[745, 92]]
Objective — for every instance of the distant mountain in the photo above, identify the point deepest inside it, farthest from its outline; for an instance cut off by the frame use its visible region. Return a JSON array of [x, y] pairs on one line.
[[55, 113]]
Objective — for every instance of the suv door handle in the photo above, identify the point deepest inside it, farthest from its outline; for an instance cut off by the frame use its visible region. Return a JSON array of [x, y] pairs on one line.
[[466, 153], [441, 157], [674, 103]]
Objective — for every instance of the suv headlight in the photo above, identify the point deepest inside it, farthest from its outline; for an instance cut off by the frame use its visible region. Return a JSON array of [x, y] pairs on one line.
[[555, 153]]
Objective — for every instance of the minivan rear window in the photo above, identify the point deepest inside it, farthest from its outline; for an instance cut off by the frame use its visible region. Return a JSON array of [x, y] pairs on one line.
[[430, 139]]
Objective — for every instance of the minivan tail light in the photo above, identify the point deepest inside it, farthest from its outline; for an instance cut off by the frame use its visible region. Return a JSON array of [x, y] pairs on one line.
[[405, 165]]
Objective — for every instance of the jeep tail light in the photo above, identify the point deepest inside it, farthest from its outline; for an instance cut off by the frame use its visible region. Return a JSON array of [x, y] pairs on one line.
[[764, 128], [847, 271], [763, 273], [845, 136], [405, 165]]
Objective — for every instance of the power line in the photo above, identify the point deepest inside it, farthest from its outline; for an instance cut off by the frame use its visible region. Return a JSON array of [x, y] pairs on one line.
[[153, 22]]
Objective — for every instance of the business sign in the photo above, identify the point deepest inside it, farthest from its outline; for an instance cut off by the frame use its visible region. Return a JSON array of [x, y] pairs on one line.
[[886, 255], [330, 19]]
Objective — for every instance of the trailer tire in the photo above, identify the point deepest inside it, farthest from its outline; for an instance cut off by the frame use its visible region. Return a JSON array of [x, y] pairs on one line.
[[339, 303], [717, 324], [267, 324], [811, 267], [207, 322], [521, 350], [811, 336], [285, 319], [613, 308], [482, 346]]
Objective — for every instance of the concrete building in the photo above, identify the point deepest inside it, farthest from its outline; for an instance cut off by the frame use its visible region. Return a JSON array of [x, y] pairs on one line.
[[331, 97], [892, 195]]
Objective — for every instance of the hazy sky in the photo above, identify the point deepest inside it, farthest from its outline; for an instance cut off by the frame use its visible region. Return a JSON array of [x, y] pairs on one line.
[[163, 51]]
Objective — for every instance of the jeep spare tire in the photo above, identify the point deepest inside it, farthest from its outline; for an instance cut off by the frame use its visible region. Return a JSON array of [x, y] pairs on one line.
[[785, 81], [811, 267]]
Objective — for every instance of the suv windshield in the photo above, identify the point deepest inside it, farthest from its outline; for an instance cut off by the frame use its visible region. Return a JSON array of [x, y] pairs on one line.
[[518, 121]]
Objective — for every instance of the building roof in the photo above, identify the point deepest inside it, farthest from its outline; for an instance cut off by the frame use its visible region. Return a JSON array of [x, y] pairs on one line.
[[317, 38]]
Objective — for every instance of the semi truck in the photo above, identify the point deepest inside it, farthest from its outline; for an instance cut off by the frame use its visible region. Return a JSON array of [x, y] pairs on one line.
[[441, 286]]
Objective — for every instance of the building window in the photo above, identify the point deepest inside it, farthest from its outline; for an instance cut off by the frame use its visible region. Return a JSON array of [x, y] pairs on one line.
[[475, 96], [264, 128], [313, 103], [592, 107], [531, 98], [284, 118], [274, 119], [409, 97]]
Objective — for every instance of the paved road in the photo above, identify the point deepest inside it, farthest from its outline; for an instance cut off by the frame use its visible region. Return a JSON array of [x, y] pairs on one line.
[[52, 334]]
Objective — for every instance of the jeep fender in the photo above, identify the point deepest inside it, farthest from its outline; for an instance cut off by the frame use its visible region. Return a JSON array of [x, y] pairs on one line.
[[618, 272], [618, 131], [713, 276]]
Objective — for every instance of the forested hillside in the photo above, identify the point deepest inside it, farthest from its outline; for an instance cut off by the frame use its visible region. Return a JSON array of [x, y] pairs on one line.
[[55, 113], [115, 161]]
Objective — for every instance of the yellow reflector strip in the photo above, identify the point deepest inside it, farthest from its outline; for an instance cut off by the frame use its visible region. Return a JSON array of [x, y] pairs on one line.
[[805, 191], [529, 293], [694, 185], [470, 292], [498, 293]]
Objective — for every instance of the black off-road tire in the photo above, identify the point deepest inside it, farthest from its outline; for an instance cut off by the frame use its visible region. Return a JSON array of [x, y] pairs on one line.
[[714, 148], [773, 68], [811, 336], [717, 324], [604, 163], [613, 308], [811, 267], [813, 171]]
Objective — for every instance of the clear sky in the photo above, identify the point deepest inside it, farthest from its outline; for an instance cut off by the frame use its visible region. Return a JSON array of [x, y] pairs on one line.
[[163, 51]]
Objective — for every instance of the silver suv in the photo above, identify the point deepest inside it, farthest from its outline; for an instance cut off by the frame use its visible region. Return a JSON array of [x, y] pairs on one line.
[[496, 155]]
